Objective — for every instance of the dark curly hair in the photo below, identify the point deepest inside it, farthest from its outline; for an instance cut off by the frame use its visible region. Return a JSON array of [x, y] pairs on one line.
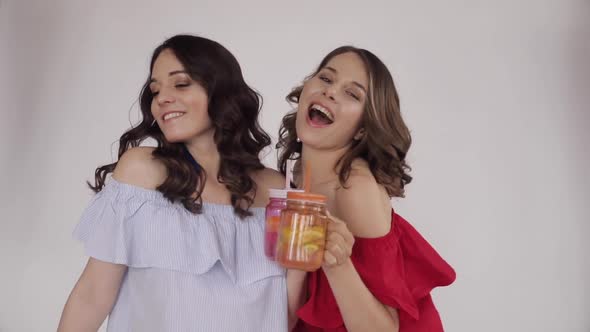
[[386, 138], [233, 109]]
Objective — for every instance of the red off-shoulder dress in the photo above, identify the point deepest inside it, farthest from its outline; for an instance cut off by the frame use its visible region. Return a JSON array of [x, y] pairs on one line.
[[400, 269]]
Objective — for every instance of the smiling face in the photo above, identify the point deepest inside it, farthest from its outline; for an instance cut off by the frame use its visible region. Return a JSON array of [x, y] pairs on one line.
[[179, 103], [350, 106], [332, 103]]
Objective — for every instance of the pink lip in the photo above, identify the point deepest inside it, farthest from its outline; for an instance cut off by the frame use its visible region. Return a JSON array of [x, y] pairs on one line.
[[307, 118], [323, 105], [166, 113], [311, 124]]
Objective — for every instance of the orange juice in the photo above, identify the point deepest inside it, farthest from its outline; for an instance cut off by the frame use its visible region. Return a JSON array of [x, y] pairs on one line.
[[302, 232]]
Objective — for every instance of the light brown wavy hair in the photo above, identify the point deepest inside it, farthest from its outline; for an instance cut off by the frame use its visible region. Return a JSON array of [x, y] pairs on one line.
[[386, 138], [233, 109]]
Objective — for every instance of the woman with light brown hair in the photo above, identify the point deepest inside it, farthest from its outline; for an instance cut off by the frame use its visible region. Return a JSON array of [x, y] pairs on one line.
[[348, 128]]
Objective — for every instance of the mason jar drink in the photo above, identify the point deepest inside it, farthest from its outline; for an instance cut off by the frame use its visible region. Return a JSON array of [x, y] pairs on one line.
[[302, 231]]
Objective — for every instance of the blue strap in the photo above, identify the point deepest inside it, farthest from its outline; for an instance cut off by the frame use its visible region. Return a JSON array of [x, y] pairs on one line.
[[190, 158]]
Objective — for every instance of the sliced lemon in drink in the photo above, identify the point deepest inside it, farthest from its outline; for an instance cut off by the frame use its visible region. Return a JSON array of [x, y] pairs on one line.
[[310, 248], [312, 235]]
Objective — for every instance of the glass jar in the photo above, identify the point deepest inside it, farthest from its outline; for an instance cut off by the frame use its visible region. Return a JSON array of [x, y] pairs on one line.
[[277, 202], [302, 232]]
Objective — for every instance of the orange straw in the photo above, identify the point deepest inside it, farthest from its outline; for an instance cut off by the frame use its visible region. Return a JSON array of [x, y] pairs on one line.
[[307, 178]]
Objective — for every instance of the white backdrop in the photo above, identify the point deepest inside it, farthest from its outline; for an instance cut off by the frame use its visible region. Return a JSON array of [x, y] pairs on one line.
[[496, 94]]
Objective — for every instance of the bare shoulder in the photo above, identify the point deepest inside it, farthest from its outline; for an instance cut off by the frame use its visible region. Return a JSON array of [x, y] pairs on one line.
[[266, 179], [269, 178], [363, 204], [138, 167]]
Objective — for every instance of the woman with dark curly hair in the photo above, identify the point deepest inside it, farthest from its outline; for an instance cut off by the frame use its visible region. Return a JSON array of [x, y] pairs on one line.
[[349, 130], [175, 237]]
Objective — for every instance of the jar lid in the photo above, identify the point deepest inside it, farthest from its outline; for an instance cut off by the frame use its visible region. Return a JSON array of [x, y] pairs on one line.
[[281, 193], [305, 196]]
